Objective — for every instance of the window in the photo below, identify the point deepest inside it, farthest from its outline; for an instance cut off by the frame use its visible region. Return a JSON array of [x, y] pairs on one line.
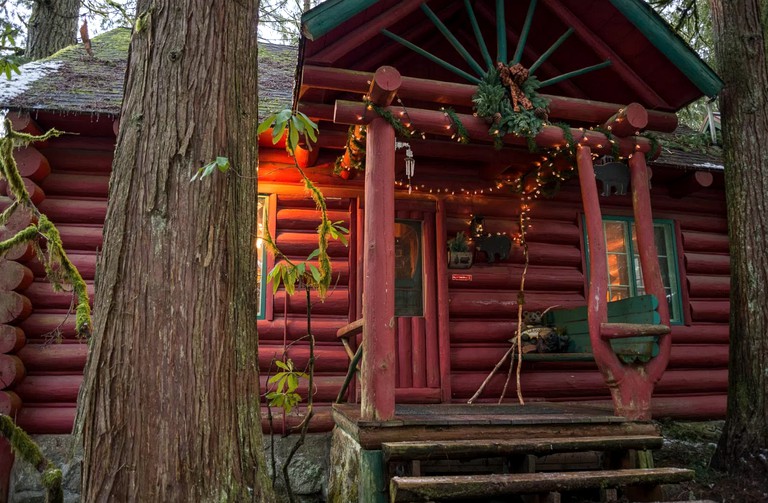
[[409, 295], [625, 277], [261, 255]]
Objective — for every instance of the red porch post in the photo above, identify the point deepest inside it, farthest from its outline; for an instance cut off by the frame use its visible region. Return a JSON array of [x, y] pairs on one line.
[[378, 366]]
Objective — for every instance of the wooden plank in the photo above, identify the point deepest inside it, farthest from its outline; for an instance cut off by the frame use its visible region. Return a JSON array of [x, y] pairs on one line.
[[463, 487], [631, 330], [472, 449], [351, 330], [639, 304], [373, 481]]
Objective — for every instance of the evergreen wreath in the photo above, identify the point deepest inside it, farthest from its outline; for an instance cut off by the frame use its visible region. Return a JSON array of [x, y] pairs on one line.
[[508, 107]]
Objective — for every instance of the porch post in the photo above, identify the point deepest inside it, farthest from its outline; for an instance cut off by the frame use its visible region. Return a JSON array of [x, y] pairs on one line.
[[378, 366], [649, 257]]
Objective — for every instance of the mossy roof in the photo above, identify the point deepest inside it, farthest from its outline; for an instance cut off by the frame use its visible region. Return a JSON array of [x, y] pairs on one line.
[[72, 81]]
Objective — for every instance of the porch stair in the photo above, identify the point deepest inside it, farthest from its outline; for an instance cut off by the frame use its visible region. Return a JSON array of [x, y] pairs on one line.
[[625, 468]]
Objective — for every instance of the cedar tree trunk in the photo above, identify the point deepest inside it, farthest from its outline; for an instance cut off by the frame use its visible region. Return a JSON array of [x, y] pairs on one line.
[[52, 26], [170, 405], [740, 28]]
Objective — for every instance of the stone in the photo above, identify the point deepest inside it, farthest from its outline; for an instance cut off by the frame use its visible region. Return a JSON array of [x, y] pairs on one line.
[[62, 451]]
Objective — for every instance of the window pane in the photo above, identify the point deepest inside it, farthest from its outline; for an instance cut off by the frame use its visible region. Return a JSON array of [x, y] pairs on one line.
[[261, 211], [615, 236], [409, 292], [666, 253]]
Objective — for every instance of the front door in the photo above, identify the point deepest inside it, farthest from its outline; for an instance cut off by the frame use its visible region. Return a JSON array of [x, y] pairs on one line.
[[418, 363]]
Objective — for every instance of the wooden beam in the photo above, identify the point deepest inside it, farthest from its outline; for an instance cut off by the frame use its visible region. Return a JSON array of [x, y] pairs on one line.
[[690, 183], [453, 40], [378, 366], [478, 34], [627, 330], [551, 49], [355, 38], [602, 50], [575, 73], [443, 315], [386, 81], [628, 120], [432, 122], [450, 93], [524, 32], [501, 33]]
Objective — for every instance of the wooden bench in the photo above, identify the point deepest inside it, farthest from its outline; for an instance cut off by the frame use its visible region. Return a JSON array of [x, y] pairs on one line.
[[626, 318], [474, 449], [468, 487]]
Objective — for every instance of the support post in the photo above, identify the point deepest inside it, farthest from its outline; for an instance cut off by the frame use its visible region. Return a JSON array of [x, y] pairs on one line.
[[378, 368]]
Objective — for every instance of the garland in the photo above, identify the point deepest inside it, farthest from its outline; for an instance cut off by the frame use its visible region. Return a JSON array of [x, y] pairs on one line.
[[615, 150], [393, 121], [354, 151], [655, 145], [461, 131]]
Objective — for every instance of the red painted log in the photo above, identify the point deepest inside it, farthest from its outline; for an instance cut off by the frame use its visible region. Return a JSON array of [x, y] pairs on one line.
[[78, 211], [691, 182], [32, 164], [384, 85], [433, 122], [710, 203], [450, 93], [44, 324], [42, 296], [307, 219], [14, 276], [327, 358], [378, 365], [610, 331], [302, 201], [628, 120], [431, 342], [340, 272], [699, 355], [23, 122], [482, 331], [541, 230], [710, 311], [12, 371], [700, 333], [294, 244], [322, 420], [696, 222], [335, 303], [419, 359], [45, 418], [54, 357], [489, 304], [35, 192], [73, 185], [507, 277], [10, 403], [81, 237], [705, 263], [14, 307], [702, 287], [548, 254], [585, 383], [83, 142], [417, 395], [296, 326], [705, 242], [697, 407], [460, 206], [85, 263], [79, 160], [12, 339], [49, 388], [443, 316]]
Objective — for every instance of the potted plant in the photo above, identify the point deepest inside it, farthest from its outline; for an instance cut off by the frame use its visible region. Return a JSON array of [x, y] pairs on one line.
[[459, 255]]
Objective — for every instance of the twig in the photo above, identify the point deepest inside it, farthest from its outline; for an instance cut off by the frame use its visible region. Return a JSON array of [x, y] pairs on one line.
[[498, 365]]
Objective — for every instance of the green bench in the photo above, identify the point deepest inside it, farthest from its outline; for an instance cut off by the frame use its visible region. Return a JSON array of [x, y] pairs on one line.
[[639, 311]]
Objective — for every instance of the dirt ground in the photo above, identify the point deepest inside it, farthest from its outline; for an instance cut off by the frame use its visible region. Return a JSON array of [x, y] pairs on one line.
[[691, 445]]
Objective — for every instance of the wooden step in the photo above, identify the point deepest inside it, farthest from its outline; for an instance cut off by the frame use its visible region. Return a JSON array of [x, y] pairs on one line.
[[442, 488], [473, 449], [628, 330]]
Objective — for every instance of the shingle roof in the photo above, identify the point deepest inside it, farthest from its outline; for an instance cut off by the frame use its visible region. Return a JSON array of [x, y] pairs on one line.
[[72, 81]]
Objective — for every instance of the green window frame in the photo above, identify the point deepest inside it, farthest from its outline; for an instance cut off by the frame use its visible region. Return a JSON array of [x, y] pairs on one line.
[[625, 277], [262, 209]]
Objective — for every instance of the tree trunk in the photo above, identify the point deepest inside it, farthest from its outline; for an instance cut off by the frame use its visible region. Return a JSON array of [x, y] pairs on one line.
[[170, 406], [52, 26], [740, 46]]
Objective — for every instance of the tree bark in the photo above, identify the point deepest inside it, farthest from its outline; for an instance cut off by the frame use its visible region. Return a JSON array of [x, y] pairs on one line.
[[170, 405], [740, 28], [52, 27]]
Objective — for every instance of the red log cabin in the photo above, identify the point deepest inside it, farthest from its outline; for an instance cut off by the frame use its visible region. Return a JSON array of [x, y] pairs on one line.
[[407, 71]]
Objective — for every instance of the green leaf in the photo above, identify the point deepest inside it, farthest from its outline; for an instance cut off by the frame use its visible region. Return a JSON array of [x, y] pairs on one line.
[[282, 365], [314, 254], [293, 138], [293, 382], [266, 124], [273, 379], [301, 268], [343, 239], [223, 164], [315, 273]]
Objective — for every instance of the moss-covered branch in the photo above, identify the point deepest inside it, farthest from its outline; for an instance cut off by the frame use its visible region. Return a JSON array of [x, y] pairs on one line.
[[60, 270], [25, 448]]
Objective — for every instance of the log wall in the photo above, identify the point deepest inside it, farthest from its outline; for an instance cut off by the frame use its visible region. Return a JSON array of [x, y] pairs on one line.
[[484, 310]]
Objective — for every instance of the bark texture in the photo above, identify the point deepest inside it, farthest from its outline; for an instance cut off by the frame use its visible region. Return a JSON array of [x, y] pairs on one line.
[[52, 26], [170, 406], [741, 27]]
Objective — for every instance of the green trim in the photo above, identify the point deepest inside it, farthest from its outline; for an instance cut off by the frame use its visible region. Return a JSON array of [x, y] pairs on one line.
[[658, 32], [575, 73], [551, 49], [524, 33], [431, 57], [263, 281], [672, 258], [452, 40], [501, 32], [478, 34], [328, 15]]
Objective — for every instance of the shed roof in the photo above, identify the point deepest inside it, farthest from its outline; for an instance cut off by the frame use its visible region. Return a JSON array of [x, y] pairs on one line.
[[72, 81]]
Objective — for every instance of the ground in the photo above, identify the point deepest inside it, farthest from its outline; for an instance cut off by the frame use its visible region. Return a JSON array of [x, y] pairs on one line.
[[691, 445]]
